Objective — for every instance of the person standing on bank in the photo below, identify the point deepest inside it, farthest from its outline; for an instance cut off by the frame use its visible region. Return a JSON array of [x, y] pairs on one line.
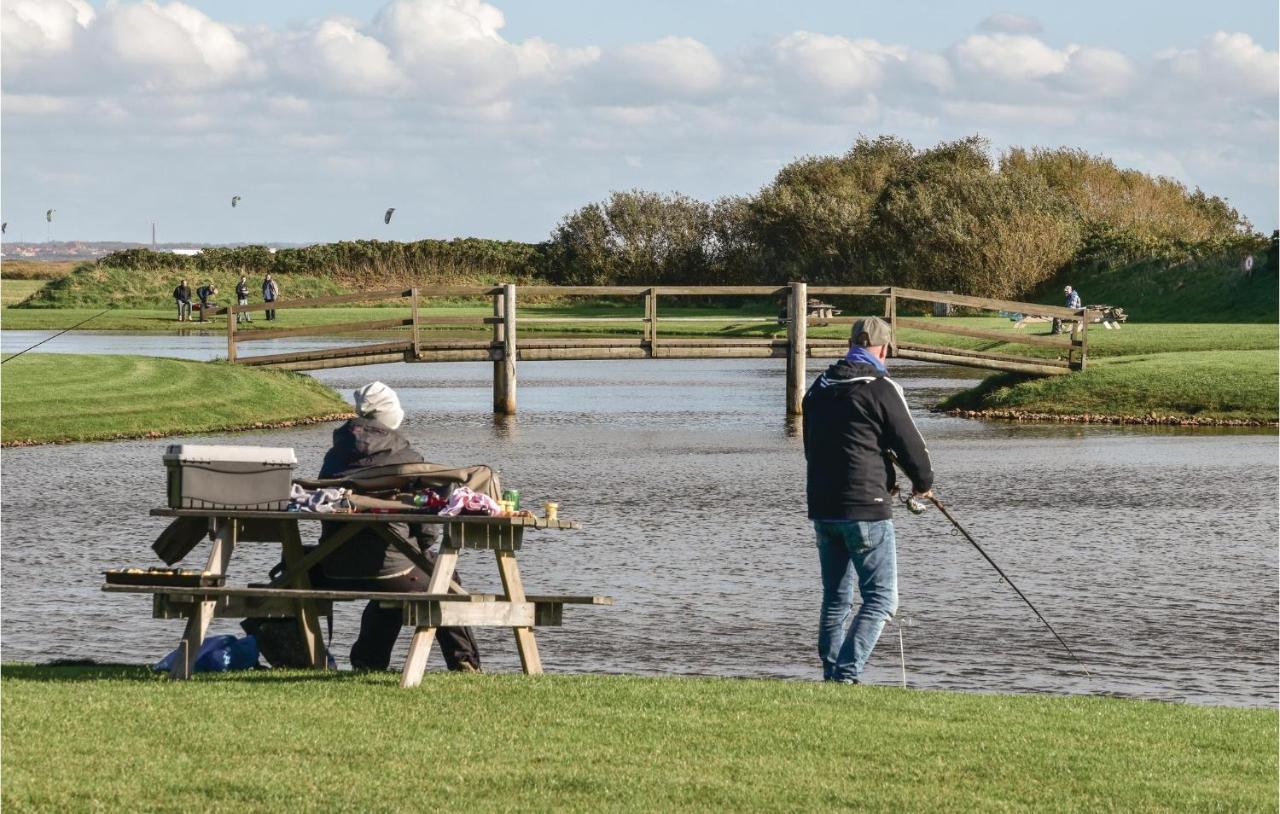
[[242, 298], [270, 290], [1072, 301], [182, 296], [367, 562], [206, 293], [855, 416]]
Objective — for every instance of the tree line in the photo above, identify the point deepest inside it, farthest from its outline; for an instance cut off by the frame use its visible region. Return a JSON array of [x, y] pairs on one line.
[[948, 217]]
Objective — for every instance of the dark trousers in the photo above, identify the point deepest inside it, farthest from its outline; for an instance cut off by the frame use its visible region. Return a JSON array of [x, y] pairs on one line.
[[380, 627], [271, 313]]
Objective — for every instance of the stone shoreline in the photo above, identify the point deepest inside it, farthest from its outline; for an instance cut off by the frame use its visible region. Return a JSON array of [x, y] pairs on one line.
[[257, 425], [1091, 418]]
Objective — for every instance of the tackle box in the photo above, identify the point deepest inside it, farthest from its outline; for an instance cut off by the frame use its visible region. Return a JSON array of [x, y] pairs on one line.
[[227, 477]]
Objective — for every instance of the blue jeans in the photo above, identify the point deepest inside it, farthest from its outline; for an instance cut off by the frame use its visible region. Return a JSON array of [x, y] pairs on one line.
[[846, 548]]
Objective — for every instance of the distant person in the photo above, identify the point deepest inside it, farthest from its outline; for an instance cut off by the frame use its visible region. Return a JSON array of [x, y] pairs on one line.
[[206, 293], [854, 417], [182, 296], [242, 298], [367, 562], [1073, 302], [270, 290]]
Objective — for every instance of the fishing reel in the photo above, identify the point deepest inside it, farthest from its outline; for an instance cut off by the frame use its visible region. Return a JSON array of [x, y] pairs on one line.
[[913, 504]]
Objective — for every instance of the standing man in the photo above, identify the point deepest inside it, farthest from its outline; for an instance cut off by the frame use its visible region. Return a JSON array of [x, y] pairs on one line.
[[242, 298], [182, 296], [1073, 301], [854, 417], [206, 292], [270, 290]]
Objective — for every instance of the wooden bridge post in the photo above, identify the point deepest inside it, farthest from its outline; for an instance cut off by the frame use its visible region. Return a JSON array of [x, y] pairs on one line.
[[417, 340], [651, 321], [797, 345], [231, 334], [891, 317], [504, 335]]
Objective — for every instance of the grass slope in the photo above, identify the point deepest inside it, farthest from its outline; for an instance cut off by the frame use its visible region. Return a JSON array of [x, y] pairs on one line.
[[118, 739], [64, 397], [15, 291], [1218, 386]]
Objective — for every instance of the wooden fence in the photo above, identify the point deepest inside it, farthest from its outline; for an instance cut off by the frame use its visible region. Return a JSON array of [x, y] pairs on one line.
[[503, 348]]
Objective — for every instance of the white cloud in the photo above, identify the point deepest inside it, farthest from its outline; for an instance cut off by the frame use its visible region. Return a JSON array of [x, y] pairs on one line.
[[35, 29], [170, 45], [1008, 57], [1228, 61], [342, 58], [672, 69]]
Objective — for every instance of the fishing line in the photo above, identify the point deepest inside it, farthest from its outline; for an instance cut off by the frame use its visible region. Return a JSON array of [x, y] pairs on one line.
[[55, 336]]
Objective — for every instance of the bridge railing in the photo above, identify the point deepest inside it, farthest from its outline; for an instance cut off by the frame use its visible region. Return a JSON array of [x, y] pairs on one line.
[[1049, 355]]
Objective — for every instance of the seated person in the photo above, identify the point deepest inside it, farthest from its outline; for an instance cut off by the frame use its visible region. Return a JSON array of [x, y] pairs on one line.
[[369, 563]]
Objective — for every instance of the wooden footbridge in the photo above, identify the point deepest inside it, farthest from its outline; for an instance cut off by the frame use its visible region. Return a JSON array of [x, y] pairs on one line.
[[1065, 353]]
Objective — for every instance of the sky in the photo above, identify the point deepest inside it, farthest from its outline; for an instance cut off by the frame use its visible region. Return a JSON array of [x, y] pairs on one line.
[[496, 119]]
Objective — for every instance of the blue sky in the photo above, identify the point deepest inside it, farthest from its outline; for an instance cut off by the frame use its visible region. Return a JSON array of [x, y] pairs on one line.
[[496, 119]]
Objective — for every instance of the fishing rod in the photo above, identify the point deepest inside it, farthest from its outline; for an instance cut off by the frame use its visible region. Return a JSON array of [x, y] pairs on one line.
[[55, 336], [916, 507]]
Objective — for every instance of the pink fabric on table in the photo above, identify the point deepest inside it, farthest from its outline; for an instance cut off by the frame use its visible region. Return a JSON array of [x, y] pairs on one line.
[[465, 501]]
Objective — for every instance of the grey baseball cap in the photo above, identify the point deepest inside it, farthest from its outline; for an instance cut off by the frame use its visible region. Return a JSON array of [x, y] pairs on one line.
[[875, 330]]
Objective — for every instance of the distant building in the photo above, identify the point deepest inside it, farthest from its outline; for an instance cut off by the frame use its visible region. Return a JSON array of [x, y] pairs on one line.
[[186, 252]]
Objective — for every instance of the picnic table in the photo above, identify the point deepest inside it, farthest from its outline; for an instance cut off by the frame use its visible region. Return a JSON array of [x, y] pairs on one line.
[[444, 603]]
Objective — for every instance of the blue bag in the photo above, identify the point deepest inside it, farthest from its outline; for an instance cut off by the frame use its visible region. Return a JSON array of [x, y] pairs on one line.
[[218, 654]]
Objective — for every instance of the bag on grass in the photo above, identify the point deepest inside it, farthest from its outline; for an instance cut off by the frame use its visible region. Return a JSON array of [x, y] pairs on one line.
[[218, 654]]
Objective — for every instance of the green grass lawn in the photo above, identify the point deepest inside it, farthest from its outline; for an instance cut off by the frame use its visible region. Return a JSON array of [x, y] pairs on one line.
[[15, 291], [1221, 386], [63, 397], [79, 739]]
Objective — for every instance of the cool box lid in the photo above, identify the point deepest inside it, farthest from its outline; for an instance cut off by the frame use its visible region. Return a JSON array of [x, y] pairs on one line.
[[205, 454]]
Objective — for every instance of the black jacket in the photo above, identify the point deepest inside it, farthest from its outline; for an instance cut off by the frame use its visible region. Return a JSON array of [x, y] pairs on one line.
[[204, 292], [242, 290], [357, 444], [853, 415], [182, 294]]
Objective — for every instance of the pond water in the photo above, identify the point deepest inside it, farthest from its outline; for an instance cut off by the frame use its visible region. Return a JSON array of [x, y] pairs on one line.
[[1152, 551]]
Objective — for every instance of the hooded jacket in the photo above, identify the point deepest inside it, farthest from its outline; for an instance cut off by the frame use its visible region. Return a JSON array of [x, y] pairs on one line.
[[358, 444], [853, 415]]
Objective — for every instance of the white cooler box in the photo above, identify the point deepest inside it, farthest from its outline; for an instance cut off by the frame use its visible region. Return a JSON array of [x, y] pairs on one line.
[[218, 477]]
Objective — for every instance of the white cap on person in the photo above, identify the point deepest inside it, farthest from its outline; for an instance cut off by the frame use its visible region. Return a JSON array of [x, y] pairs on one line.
[[380, 403]]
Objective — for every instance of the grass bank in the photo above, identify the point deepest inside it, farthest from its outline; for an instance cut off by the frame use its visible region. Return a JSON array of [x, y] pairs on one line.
[[51, 398], [120, 739], [1188, 388]]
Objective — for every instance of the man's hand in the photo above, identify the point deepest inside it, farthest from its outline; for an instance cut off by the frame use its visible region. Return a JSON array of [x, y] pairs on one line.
[[925, 495]]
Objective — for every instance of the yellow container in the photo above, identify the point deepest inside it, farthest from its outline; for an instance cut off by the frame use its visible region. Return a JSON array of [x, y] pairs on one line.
[[551, 509]]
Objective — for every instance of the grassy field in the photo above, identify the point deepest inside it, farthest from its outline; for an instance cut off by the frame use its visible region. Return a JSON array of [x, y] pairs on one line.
[[13, 269], [64, 397], [15, 291], [78, 739], [1203, 386]]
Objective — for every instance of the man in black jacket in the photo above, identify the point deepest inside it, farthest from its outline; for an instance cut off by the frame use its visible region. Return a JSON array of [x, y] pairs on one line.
[[855, 417], [369, 563], [182, 296]]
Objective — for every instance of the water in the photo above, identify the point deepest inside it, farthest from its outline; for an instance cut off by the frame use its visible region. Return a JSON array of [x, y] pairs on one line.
[[1153, 551]]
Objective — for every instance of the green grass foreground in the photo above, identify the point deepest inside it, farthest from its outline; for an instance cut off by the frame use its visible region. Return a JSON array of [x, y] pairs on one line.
[[78, 739], [55, 397]]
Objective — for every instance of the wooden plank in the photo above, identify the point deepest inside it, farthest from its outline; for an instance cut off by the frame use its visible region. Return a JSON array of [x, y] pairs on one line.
[[322, 330], [224, 543], [415, 663], [489, 614], [301, 568], [797, 346], [849, 290], [348, 361], [721, 290], [203, 594], [990, 356], [988, 364], [308, 615], [231, 335], [371, 519], [999, 336], [1084, 344], [526, 644], [453, 356], [576, 320], [984, 302], [351, 351], [416, 557]]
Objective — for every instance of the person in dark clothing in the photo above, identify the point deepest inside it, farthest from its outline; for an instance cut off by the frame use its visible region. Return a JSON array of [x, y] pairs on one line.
[[369, 563], [182, 296], [206, 292], [855, 417], [242, 298], [270, 290]]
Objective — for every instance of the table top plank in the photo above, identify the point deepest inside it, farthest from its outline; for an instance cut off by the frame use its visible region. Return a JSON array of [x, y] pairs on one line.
[[317, 593], [368, 517]]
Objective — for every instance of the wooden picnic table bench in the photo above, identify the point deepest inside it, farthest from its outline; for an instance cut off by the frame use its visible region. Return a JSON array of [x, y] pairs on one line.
[[443, 604]]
